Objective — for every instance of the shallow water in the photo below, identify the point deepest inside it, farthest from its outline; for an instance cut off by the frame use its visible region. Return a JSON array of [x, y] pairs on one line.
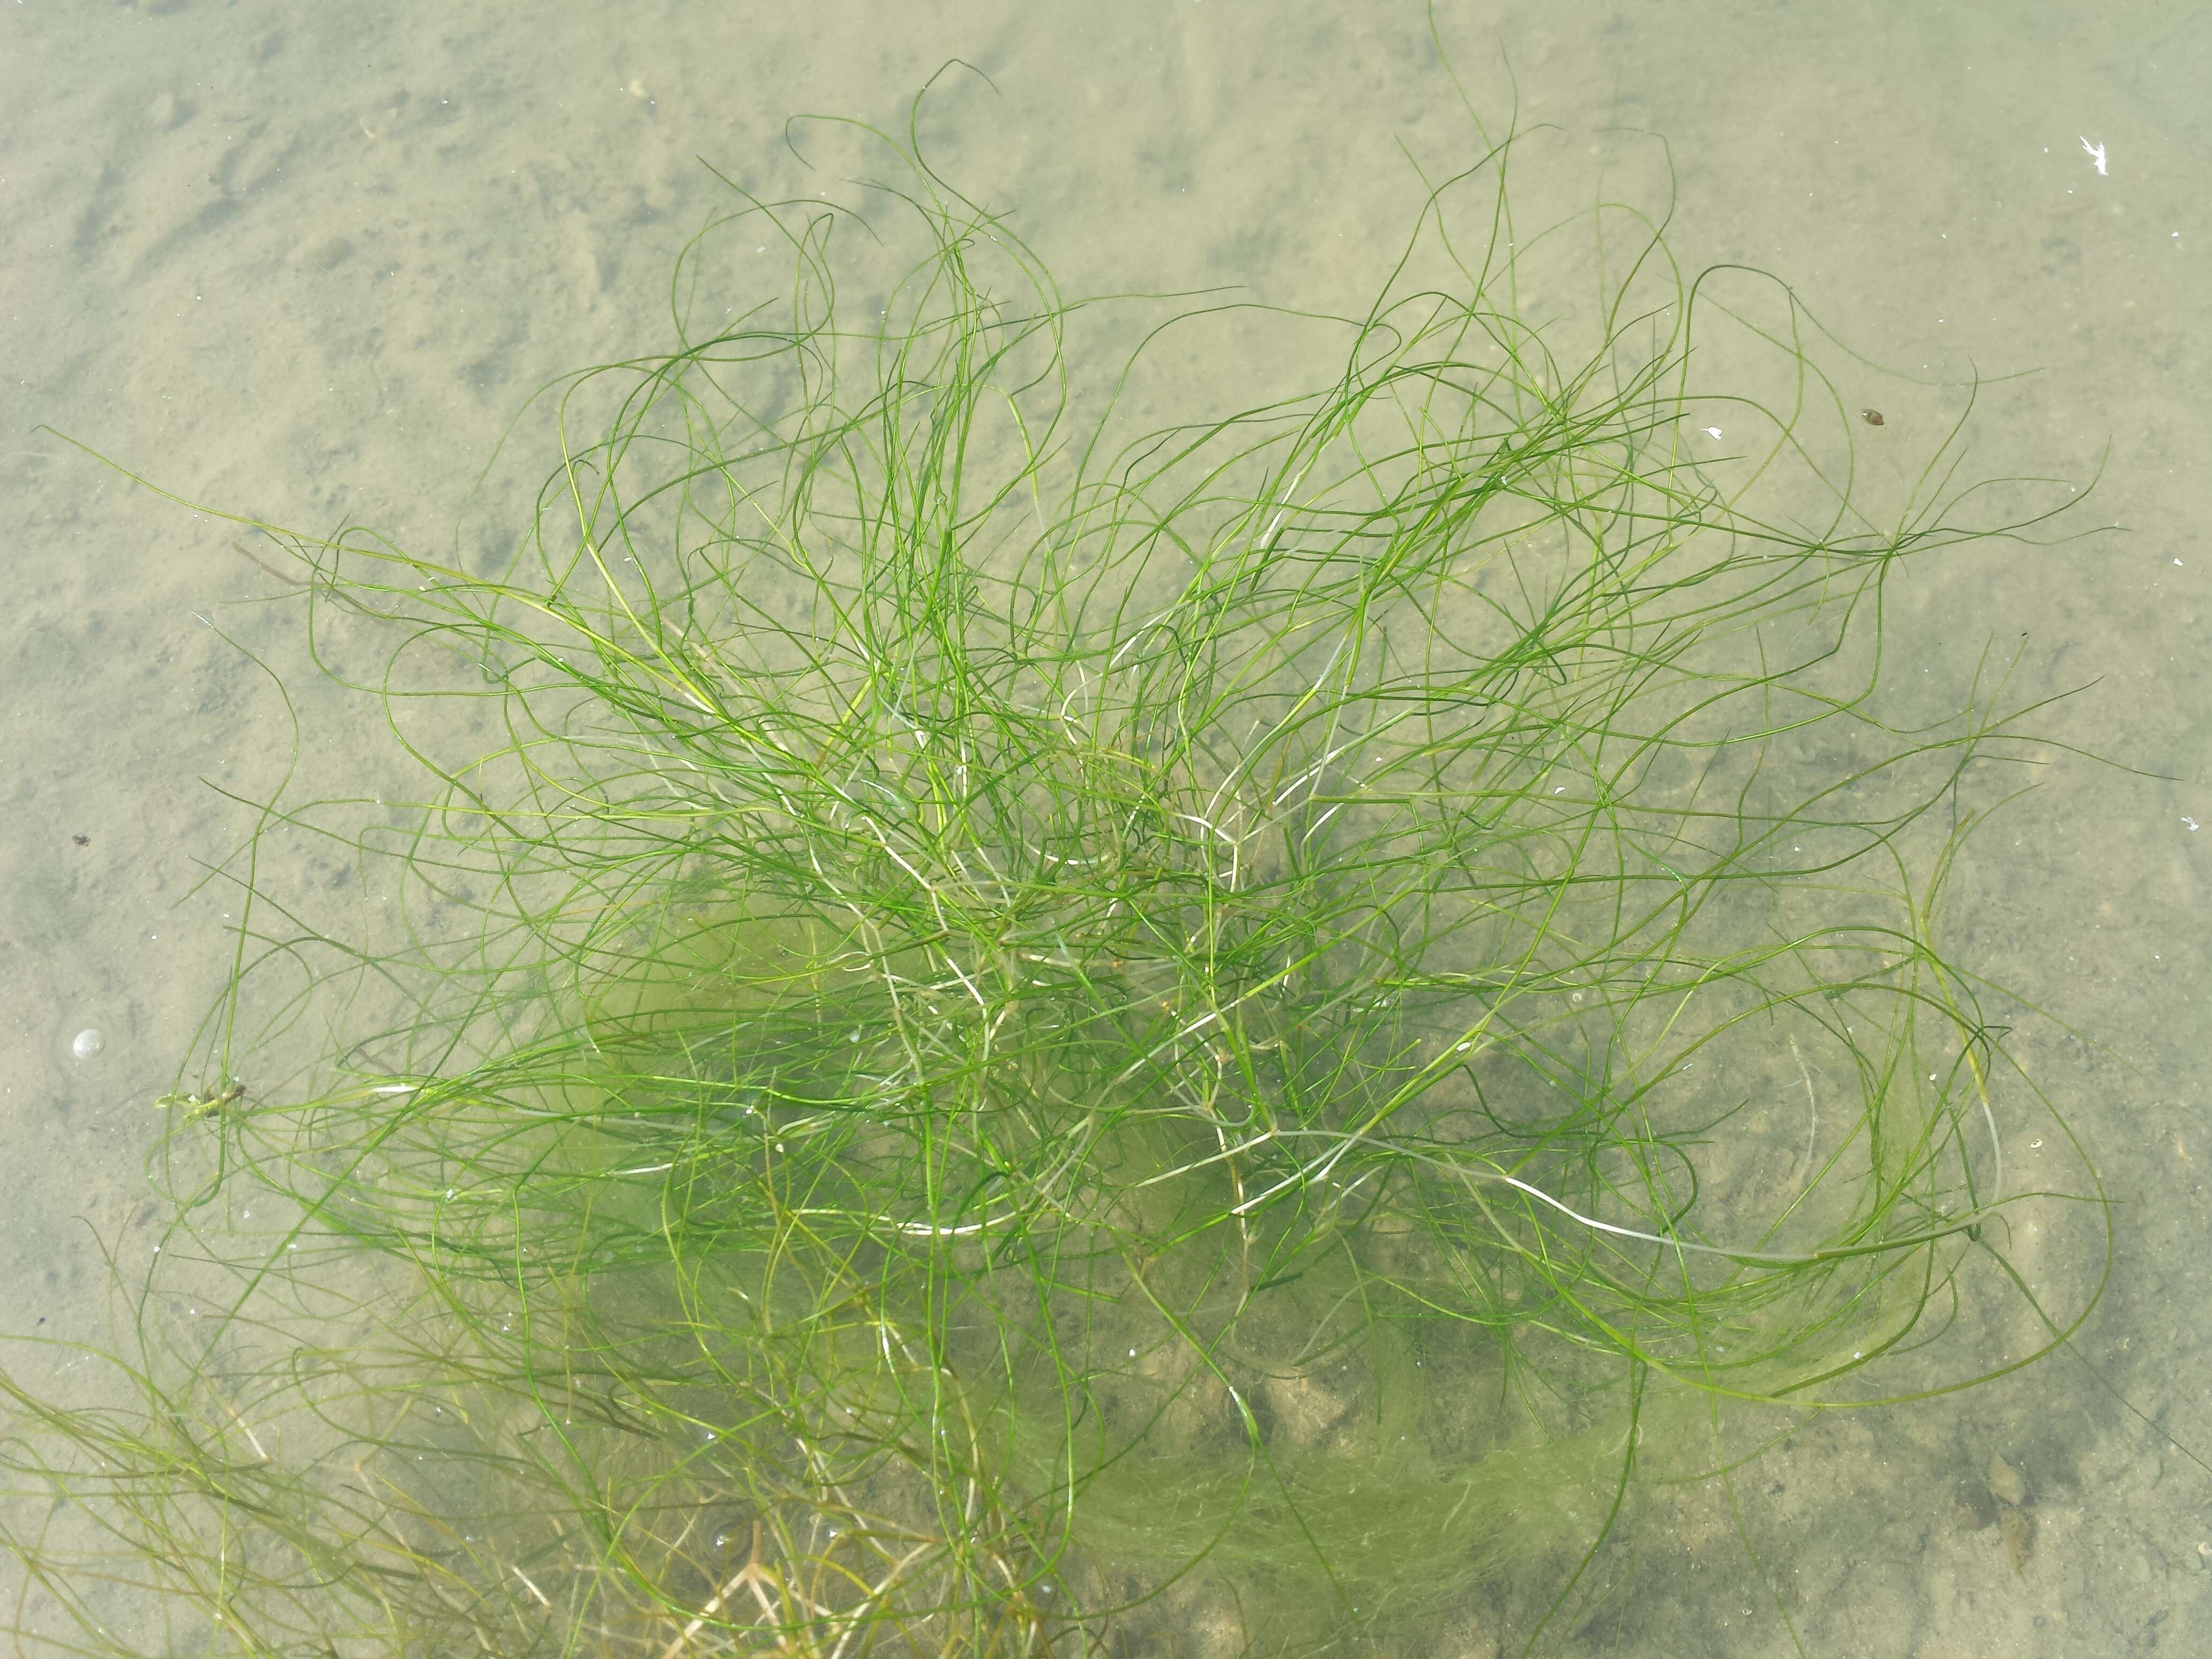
[[309, 262]]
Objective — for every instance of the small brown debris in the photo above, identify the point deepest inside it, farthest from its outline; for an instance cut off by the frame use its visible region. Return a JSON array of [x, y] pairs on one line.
[[81, 840], [2018, 1531], [2006, 1482]]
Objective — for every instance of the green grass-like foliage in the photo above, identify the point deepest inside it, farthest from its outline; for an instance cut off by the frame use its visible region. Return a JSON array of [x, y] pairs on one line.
[[1019, 1032]]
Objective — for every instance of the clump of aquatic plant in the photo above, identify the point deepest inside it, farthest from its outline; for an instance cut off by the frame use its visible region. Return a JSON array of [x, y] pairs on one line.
[[1014, 1029]]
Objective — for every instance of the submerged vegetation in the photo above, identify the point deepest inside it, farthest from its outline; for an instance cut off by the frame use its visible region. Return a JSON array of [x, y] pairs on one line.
[[1024, 1036]]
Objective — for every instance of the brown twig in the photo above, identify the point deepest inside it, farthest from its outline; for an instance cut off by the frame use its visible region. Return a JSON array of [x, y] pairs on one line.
[[246, 552]]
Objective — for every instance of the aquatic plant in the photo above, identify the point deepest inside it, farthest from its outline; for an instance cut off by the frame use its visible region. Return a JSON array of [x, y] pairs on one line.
[[1012, 1030]]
